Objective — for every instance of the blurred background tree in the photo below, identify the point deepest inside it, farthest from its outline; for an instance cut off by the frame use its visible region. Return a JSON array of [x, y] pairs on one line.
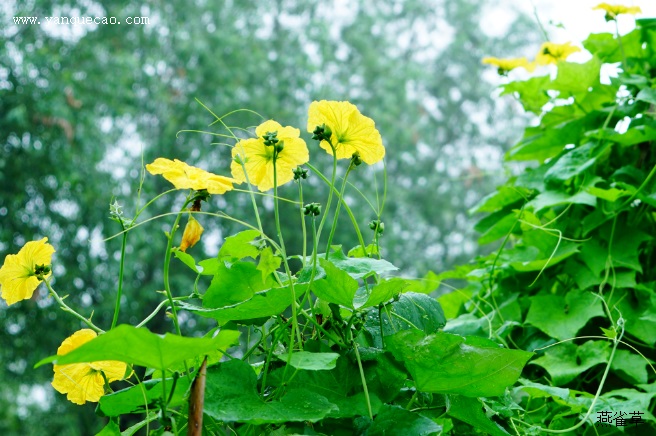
[[80, 104]]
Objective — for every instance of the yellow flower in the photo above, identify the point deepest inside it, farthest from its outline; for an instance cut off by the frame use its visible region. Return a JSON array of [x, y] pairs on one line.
[[191, 234], [185, 176], [351, 131], [84, 382], [258, 157], [612, 11], [505, 65], [18, 275], [551, 53]]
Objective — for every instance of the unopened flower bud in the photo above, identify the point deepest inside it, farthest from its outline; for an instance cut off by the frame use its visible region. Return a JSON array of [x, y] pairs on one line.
[[270, 138], [322, 133], [300, 173], [356, 159], [313, 209], [278, 146], [377, 226], [191, 234]]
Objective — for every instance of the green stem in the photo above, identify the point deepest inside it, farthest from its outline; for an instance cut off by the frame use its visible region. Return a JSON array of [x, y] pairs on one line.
[[331, 186], [283, 252], [341, 196], [167, 262], [300, 197], [362, 377], [252, 195], [121, 268], [346, 206], [66, 308]]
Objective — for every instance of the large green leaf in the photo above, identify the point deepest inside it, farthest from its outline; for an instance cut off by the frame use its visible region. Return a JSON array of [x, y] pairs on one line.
[[607, 48], [234, 284], [532, 92], [576, 78], [566, 361], [358, 267], [312, 361], [410, 311], [384, 291], [453, 364], [562, 316], [395, 420], [575, 161], [240, 245], [262, 304], [337, 287], [138, 346], [470, 410], [231, 396]]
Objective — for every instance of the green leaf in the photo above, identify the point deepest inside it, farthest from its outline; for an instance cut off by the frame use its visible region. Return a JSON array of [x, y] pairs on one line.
[[607, 48], [566, 361], [532, 93], [540, 143], [411, 311], [341, 386], [454, 301], [337, 287], [537, 390], [187, 260], [500, 229], [505, 196], [359, 266], [575, 161], [138, 346], [240, 245], [312, 361], [393, 420], [470, 410], [648, 95], [576, 78], [552, 198], [528, 258], [633, 135], [234, 284], [638, 308], [632, 366], [142, 397], [385, 291], [612, 194], [262, 304], [268, 263], [450, 364], [111, 429], [369, 251], [561, 317], [231, 396]]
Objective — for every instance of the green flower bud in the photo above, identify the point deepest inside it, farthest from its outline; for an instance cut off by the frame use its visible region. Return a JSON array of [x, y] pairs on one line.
[[377, 226], [322, 133], [270, 138], [300, 173], [313, 209], [278, 146], [356, 160]]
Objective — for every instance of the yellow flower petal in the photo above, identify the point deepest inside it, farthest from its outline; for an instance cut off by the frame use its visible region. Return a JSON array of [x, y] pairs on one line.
[[184, 176], [613, 11], [191, 234], [258, 158], [351, 131], [84, 382], [509, 64], [17, 275], [551, 53]]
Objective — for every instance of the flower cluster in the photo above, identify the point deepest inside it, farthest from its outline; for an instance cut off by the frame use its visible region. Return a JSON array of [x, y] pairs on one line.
[[344, 132]]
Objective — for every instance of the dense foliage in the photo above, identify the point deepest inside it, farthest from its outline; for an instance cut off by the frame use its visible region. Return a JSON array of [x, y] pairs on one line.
[[572, 279]]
